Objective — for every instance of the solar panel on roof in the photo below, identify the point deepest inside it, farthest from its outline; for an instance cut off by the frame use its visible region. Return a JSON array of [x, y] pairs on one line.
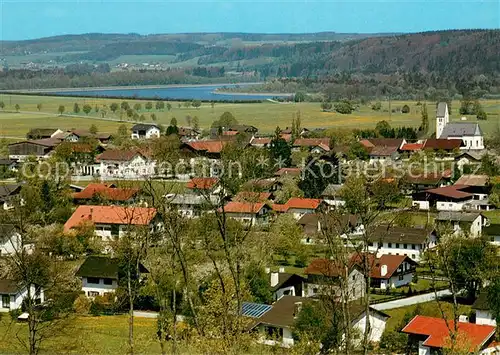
[[254, 310]]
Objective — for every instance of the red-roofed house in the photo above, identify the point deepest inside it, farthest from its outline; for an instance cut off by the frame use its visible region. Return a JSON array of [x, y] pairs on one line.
[[445, 198], [111, 221], [106, 192], [433, 335], [125, 164], [315, 145], [250, 213], [288, 172], [388, 271], [251, 196], [299, 206], [204, 185]]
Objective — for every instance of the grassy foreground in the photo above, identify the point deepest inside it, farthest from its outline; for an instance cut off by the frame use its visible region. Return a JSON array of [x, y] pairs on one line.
[[266, 116]]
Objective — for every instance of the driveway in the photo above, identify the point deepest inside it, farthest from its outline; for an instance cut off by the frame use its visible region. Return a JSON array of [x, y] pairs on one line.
[[403, 302]]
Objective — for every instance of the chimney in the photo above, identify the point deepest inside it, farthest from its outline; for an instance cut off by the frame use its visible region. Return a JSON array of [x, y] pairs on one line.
[[274, 278], [296, 309], [268, 270], [383, 270], [281, 269], [463, 319]]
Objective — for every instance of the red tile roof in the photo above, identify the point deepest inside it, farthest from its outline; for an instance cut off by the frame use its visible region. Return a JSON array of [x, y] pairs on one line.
[[411, 147], [453, 191], [111, 215], [250, 196], [214, 146], [325, 267], [444, 144], [312, 142], [278, 207], [287, 137], [106, 192], [202, 183], [243, 207], [473, 336], [303, 203], [393, 262], [260, 141], [230, 133]]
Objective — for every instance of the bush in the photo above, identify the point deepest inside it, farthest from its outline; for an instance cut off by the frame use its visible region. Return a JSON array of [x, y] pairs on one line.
[[405, 109], [481, 115], [393, 341], [377, 106], [82, 305], [344, 107], [14, 313]]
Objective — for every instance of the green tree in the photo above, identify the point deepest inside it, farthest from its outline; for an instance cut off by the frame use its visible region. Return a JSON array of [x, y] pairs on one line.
[[317, 176], [482, 115], [424, 126], [287, 236], [377, 106], [187, 104], [87, 108], [142, 118], [357, 151], [258, 283], [39, 107], [61, 109], [130, 113], [76, 108], [149, 106], [2, 105], [226, 120], [93, 129], [169, 106], [344, 107], [196, 123], [280, 150], [137, 107], [113, 107], [196, 104], [385, 192], [384, 129], [17, 107], [299, 96], [124, 106], [172, 129], [153, 117], [405, 109], [326, 106], [493, 291]]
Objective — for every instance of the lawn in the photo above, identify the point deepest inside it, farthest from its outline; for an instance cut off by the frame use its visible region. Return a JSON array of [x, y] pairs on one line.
[[266, 116]]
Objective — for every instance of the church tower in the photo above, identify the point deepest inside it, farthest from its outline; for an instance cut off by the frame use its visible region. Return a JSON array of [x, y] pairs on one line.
[[442, 118]]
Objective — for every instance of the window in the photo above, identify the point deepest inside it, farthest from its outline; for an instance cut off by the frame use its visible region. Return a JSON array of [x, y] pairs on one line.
[[389, 245], [93, 293], [405, 246], [397, 245], [315, 290], [401, 277], [370, 244], [353, 277], [5, 301], [413, 246], [413, 256], [115, 230], [108, 281], [93, 280]]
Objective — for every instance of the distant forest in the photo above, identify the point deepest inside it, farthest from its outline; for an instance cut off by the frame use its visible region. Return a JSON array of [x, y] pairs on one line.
[[444, 63]]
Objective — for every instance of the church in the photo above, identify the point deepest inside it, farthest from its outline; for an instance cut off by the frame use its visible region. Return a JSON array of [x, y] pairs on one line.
[[469, 132]]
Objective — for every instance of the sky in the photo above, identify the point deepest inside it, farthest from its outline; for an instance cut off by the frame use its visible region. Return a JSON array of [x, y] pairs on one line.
[[20, 19]]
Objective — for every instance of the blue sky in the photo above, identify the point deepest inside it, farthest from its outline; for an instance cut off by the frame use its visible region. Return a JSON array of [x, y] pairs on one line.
[[20, 19]]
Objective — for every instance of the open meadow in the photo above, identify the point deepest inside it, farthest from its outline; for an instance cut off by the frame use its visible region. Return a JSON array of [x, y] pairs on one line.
[[265, 116]]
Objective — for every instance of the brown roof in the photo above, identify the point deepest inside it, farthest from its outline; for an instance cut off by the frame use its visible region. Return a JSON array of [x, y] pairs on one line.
[[312, 142], [250, 196], [473, 180], [410, 147], [383, 151], [282, 313], [386, 142], [106, 192], [213, 146], [303, 203], [202, 183], [453, 191], [393, 262], [8, 287], [260, 141], [111, 215], [396, 234], [288, 171], [325, 267], [443, 144]]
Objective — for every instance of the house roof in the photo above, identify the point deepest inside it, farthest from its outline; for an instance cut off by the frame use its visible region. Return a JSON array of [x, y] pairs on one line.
[[332, 190], [443, 144], [212, 146], [46, 142], [460, 129], [262, 183], [441, 109], [309, 219], [385, 142], [457, 216], [438, 333], [202, 183], [282, 312], [288, 171], [325, 267], [106, 192], [144, 126], [312, 142], [243, 207], [393, 262], [99, 266], [118, 155], [379, 151], [303, 203], [473, 180], [276, 207], [86, 133], [492, 230], [260, 141], [8, 286], [250, 196], [396, 234], [191, 199], [481, 302], [283, 277], [453, 191], [111, 215], [9, 190], [41, 132], [411, 147]]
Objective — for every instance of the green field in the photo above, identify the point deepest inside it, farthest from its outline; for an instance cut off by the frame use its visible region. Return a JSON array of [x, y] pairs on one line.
[[265, 116]]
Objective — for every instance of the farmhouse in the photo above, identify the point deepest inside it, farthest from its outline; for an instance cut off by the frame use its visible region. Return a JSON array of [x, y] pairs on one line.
[[484, 315], [382, 149], [446, 198], [8, 193], [299, 206], [462, 223], [111, 221], [191, 205], [250, 213], [40, 149], [42, 133], [106, 192], [407, 241], [12, 295], [470, 133], [125, 164], [286, 284], [324, 275], [99, 275], [145, 131]]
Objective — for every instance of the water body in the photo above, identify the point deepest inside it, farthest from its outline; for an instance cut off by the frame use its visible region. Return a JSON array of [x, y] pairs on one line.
[[187, 92]]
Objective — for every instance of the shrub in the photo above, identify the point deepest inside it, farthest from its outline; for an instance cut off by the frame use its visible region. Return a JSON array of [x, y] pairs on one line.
[[405, 109], [377, 106], [393, 341], [344, 107], [82, 305], [14, 313]]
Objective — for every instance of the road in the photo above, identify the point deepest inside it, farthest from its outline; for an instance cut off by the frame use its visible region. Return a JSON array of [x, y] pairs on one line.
[[91, 117], [403, 302]]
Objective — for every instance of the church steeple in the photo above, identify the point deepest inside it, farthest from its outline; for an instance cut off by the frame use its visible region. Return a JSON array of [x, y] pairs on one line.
[[442, 118]]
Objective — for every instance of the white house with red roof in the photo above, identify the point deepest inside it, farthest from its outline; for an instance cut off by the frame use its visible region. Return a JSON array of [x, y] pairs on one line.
[[249, 213], [112, 221], [106, 192], [434, 335], [125, 164], [299, 206]]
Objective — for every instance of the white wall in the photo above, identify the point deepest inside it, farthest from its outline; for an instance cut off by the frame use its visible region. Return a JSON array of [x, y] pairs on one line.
[[150, 133], [422, 349], [422, 205], [16, 300], [485, 317], [9, 244], [281, 292], [299, 212], [101, 288], [451, 206], [472, 142], [138, 167], [414, 254], [377, 324]]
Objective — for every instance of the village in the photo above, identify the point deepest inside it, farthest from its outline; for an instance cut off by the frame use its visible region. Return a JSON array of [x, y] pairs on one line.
[[381, 258]]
